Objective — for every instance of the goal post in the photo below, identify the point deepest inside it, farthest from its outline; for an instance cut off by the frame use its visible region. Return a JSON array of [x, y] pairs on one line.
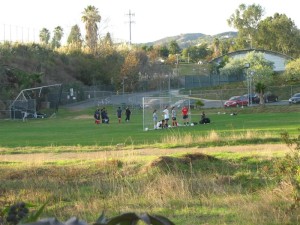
[[159, 103], [38, 102]]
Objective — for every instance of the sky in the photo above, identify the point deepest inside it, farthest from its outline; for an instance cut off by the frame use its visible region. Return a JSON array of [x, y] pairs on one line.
[[22, 20]]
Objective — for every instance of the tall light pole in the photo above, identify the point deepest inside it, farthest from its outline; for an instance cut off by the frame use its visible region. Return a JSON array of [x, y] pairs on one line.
[[249, 76]]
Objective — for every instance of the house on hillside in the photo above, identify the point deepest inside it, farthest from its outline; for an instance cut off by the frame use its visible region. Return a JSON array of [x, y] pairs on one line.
[[277, 58]]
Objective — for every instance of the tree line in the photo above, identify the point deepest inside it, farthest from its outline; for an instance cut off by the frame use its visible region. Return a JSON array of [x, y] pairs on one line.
[[92, 60]]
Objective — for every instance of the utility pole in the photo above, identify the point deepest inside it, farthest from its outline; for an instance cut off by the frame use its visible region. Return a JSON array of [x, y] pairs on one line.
[[130, 22]]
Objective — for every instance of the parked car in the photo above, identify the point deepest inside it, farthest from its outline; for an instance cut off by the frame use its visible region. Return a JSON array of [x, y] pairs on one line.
[[237, 101], [252, 97], [295, 99], [268, 97]]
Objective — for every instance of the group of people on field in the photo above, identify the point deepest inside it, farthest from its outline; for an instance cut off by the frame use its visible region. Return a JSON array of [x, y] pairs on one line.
[[164, 123], [101, 116], [169, 118]]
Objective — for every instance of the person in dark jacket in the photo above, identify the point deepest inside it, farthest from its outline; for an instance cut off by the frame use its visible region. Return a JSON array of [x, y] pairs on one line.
[[97, 116], [104, 115], [127, 113], [119, 114]]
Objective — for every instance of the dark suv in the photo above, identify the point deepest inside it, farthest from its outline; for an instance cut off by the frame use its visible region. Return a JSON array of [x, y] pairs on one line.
[[268, 97]]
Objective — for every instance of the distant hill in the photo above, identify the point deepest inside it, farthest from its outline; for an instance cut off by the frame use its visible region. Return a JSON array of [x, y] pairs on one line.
[[186, 40]]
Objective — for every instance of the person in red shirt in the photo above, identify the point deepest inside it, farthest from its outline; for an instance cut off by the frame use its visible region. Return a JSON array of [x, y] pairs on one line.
[[185, 115]]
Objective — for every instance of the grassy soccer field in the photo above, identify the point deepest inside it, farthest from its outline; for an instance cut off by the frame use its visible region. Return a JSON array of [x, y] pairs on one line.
[[219, 173], [73, 128]]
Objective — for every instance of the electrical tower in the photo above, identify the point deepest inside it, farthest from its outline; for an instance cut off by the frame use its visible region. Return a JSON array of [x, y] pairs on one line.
[[130, 15]]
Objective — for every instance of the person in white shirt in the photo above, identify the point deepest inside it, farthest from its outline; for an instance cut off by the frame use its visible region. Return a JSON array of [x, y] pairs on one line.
[[166, 116]]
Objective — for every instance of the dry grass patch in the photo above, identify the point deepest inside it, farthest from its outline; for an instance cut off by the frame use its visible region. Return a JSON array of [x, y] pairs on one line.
[[213, 137], [267, 150]]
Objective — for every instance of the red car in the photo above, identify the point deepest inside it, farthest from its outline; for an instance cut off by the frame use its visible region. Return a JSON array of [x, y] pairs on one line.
[[236, 101]]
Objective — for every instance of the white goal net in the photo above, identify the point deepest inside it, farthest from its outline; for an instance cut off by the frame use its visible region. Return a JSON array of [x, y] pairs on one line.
[[158, 104], [38, 102]]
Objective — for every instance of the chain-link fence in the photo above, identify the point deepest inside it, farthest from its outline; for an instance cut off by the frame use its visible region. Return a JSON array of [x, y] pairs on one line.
[[93, 97], [283, 92]]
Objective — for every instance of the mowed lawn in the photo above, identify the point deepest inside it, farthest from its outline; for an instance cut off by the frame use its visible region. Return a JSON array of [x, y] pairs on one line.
[[73, 128]]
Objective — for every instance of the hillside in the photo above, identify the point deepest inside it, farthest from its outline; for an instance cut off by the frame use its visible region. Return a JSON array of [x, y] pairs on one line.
[[186, 40]]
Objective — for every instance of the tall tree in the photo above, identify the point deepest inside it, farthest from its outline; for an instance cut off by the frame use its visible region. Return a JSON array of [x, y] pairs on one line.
[[44, 36], [75, 38], [279, 33], [245, 20], [130, 71], [57, 36], [91, 17]]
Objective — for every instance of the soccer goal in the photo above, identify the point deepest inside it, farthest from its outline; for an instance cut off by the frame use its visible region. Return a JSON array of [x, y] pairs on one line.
[[38, 102], [159, 103]]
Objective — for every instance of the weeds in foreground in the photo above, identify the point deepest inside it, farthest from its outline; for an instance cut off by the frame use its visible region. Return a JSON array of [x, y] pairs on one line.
[[288, 168], [187, 188]]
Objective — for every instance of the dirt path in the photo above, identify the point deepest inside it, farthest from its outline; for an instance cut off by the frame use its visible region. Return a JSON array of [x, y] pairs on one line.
[[266, 149]]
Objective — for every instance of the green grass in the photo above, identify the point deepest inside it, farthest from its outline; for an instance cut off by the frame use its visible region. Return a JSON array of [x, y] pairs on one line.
[[78, 129]]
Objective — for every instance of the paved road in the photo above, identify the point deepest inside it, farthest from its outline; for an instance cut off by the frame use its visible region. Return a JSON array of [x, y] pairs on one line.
[[129, 99], [218, 104], [136, 99]]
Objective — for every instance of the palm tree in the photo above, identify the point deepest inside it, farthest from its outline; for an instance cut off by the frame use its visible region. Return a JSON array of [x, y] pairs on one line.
[[91, 17], [260, 89]]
